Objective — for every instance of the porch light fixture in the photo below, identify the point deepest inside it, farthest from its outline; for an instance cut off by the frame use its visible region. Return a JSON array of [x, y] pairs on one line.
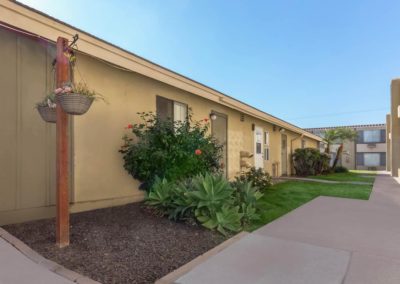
[[281, 130], [213, 116]]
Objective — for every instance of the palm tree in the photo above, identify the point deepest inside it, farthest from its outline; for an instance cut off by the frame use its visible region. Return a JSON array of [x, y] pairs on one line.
[[338, 136]]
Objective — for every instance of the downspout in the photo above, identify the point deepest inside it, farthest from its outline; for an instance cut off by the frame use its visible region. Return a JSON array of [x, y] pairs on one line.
[[291, 153]]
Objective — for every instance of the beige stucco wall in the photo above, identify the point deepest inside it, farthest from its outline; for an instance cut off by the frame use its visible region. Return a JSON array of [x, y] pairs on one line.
[[395, 128], [27, 147], [388, 142], [366, 148], [99, 173], [349, 155]]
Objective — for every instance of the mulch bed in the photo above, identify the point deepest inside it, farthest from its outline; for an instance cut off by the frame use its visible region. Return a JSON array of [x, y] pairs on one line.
[[125, 244]]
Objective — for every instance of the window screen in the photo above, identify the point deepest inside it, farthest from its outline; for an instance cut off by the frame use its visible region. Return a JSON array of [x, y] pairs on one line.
[[180, 112], [372, 136], [372, 159], [266, 145], [266, 138], [266, 154]]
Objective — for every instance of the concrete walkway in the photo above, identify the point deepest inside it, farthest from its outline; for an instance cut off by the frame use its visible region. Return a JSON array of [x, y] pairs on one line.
[[15, 268], [19, 264], [328, 240], [324, 181]]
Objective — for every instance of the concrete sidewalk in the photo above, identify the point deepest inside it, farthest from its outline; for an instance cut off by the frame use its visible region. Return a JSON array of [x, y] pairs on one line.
[[16, 268], [19, 264], [324, 181], [328, 240]]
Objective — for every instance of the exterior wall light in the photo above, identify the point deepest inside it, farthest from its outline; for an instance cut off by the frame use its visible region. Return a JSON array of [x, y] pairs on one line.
[[213, 116], [281, 130]]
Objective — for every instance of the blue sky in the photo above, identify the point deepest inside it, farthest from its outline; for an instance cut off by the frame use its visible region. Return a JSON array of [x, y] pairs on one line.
[[312, 63]]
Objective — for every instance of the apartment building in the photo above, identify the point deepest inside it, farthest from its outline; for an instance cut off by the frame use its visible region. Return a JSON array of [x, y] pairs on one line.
[[131, 84], [367, 152]]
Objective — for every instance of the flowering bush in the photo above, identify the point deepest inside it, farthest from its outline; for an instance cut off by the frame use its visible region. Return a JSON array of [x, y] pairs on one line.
[[258, 177], [168, 149]]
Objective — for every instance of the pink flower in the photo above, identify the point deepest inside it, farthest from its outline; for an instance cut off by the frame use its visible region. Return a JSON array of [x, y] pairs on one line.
[[129, 126], [58, 90], [197, 152], [67, 90], [206, 119]]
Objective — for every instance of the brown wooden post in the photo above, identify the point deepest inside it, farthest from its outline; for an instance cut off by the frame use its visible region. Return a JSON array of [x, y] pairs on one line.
[[62, 203]]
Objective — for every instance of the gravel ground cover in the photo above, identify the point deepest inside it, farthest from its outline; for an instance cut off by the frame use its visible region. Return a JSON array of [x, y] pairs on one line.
[[125, 244]]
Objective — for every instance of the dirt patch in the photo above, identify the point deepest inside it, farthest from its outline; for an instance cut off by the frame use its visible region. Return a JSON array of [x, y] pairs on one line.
[[125, 244]]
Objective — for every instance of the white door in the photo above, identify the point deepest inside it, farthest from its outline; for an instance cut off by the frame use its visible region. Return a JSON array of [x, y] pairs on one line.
[[258, 152]]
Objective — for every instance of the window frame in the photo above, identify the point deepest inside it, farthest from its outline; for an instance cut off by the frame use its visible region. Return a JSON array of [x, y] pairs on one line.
[[375, 154], [266, 147], [173, 102], [377, 131]]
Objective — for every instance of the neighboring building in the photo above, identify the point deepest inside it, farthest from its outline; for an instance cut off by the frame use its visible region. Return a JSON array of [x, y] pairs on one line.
[[131, 84], [393, 130], [367, 152]]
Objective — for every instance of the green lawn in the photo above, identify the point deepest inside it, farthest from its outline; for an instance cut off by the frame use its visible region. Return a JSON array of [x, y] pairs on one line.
[[364, 176], [283, 197]]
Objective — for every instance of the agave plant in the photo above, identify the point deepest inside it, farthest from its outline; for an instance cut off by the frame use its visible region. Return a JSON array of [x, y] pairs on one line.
[[211, 192], [246, 198], [170, 198], [227, 218]]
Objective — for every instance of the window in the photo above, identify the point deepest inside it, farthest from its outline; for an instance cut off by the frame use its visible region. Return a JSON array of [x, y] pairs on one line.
[[180, 111], [266, 138], [169, 109], [266, 154], [372, 159], [372, 136], [266, 146]]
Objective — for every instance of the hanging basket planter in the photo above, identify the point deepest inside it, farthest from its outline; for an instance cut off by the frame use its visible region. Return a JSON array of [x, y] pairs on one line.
[[47, 113], [47, 108], [75, 104]]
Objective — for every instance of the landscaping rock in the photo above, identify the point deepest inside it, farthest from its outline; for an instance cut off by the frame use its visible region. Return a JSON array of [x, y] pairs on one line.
[[125, 244]]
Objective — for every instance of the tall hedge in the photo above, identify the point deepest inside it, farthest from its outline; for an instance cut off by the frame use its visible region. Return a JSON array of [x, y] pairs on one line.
[[310, 161]]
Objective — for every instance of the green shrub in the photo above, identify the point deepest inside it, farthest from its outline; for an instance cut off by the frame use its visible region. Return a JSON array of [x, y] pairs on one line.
[[168, 149], [209, 199], [246, 198], [310, 161], [260, 179], [341, 169], [170, 199]]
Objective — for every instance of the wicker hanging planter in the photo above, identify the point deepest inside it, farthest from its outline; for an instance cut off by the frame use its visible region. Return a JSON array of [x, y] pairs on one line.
[[47, 113], [75, 104], [47, 108]]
